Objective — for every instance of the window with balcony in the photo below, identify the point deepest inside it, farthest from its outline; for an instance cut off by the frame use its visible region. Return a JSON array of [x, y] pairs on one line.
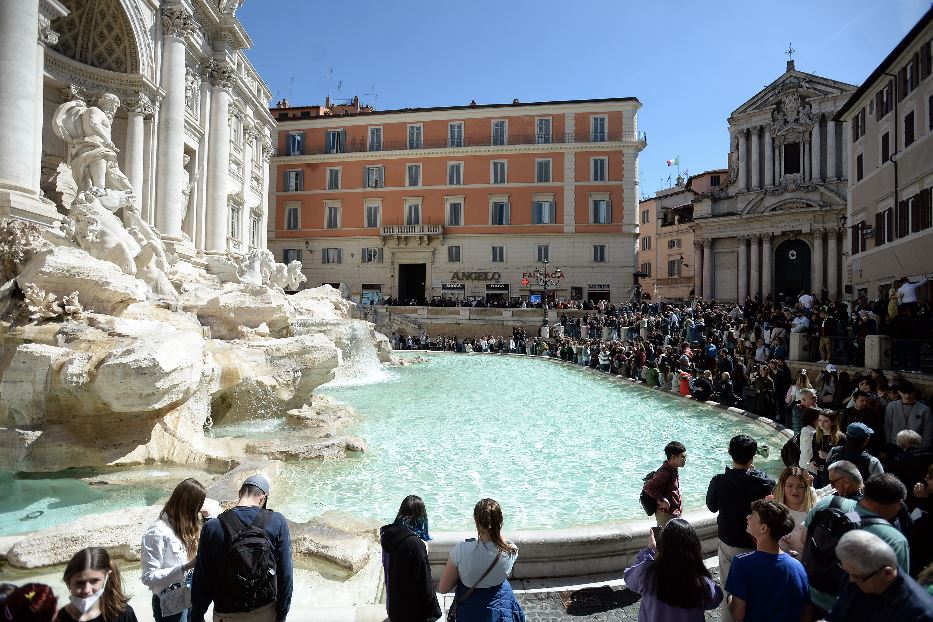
[[415, 137], [601, 211], [500, 132], [332, 217], [333, 179], [599, 253], [414, 175], [373, 214], [375, 139], [336, 141], [498, 254], [292, 216], [453, 254], [543, 130], [375, 177], [598, 132], [454, 173], [498, 172], [371, 255], [454, 213], [294, 180], [543, 252], [500, 213], [543, 171], [296, 143], [543, 213], [291, 254], [413, 213], [599, 169], [332, 255], [455, 134]]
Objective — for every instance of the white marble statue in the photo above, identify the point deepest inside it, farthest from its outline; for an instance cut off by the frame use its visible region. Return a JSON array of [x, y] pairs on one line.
[[296, 275]]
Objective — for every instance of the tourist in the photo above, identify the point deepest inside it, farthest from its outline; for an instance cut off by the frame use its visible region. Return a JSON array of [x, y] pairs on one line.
[[763, 384], [768, 584], [908, 414], [864, 409], [32, 602], [881, 502], [795, 396], [95, 589], [664, 486], [854, 450], [909, 462], [807, 434], [827, 436], [409, 588], [827, 387], [479, 568], [907, 294], [795, 491], [702, 389], [169, 547], [877, 590], [670, 576], [262, 585], [731, 494], [725, 392]]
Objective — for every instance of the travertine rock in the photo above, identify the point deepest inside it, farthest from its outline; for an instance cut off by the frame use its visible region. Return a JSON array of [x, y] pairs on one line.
[[321, 411], [101, 285], [237, 305], [321, 303], [306, 447]]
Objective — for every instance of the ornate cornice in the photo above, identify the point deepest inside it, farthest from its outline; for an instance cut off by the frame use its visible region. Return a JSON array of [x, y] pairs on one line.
[[85, 80], [140, 104], [177, 22], [47, 36], [219, 74], [698, 243]]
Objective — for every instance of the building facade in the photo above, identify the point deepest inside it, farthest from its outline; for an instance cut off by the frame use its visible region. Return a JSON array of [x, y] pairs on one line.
[[193, 130], [776, 227], [460, 202], [890, 212]]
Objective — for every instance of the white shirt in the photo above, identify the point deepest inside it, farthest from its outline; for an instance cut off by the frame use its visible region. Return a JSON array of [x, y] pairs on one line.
[[908, 291], [806, 447], [806, 300], [162, 557], [473, 557]]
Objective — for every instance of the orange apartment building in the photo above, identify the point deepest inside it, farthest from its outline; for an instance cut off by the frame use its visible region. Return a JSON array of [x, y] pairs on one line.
[[459, 201]]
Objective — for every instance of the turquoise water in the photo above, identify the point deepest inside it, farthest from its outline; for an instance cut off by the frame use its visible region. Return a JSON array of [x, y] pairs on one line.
[[34, 502], [555, 445]]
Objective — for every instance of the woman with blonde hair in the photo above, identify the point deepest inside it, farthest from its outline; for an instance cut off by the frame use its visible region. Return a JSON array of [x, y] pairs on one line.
[[95, 589], [794, 490], [168, 551], [479, 568]]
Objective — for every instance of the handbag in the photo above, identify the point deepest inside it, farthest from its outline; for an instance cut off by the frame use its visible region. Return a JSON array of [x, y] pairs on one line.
[[452, 612], [174, 599]]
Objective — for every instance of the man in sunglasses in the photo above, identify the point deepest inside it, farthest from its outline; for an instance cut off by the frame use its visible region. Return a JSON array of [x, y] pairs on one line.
[[877, 590]]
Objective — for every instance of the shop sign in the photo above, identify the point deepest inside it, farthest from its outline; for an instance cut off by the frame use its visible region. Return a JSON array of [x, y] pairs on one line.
[[497, 287], [597, 286], [452, 286], [475, 276]]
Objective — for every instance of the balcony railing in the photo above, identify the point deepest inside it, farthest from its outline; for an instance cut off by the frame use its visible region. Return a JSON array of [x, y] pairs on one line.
[[412, 230], [361, 145]]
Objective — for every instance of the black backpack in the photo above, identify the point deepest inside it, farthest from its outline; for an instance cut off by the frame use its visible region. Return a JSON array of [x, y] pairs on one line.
[[647, 501], [790, 452], [247, 574], [819, 553]]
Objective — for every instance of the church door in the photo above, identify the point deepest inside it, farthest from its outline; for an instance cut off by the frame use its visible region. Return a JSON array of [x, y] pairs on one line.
[[792, 268]]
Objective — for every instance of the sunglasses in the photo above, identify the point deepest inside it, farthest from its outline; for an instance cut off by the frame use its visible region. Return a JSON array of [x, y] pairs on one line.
[[861, 578]]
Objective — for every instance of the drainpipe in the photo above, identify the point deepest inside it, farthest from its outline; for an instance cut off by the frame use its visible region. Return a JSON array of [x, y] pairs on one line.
[[894, 154]]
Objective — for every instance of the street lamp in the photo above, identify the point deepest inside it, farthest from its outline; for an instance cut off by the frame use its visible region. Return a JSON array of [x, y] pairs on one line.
[[545, 280]]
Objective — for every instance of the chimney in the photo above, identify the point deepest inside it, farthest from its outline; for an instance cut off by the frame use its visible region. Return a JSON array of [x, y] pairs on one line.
[[327, 102], [790, 65]]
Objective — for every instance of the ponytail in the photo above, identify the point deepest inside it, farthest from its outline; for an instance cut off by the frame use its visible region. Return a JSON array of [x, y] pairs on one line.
[[488, 516]]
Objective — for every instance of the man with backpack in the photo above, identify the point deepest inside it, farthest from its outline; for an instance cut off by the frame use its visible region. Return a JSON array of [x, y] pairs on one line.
[[855, 450], [664, 485], [244, 562], [834, 516]]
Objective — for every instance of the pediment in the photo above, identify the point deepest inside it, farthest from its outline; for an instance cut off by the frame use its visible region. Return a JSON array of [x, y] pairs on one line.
[[806, 86], [794, 196]]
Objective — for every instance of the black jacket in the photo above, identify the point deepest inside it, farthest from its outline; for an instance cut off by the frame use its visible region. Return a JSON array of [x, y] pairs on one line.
[[731, 494], [410, 595]]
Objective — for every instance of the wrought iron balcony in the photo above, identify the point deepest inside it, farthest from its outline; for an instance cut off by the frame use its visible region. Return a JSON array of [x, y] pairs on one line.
[[411, 230]]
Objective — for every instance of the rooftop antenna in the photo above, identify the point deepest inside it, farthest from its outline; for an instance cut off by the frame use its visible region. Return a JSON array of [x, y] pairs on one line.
[[291, 83], [372, 93]]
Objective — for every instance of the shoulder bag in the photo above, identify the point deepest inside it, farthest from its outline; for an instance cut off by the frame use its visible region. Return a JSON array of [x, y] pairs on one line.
[[175, 598], [452, 612]]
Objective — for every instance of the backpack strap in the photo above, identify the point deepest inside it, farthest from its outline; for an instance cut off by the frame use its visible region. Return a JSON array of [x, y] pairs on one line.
[[262, 518], [231, 523]]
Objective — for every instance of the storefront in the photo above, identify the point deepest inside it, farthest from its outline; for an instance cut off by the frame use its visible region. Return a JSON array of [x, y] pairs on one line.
[[597, 291], [497, 292], [453, 290], [371, 294]]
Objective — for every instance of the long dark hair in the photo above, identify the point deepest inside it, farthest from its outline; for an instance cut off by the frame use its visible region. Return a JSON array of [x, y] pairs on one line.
[[488, 516], [34, 602], [182, 512], [113, 602], [413, 514], [677, 574]]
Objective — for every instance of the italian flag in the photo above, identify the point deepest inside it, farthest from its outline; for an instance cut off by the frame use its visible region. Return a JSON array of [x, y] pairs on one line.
[[675, 161]]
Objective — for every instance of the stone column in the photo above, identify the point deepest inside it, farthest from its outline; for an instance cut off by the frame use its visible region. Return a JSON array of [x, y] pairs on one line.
[[844, 174], [220, 75], [830, 150], [268, 151], [818, 254], [698, 268], [769, 161], [767, 272], [708, 291], [743, 161], [815, 156], [138, 108], [755, 285], [249, 138], [743, 268], [832, 262], [805, 144], [176, 23], [756, 164]]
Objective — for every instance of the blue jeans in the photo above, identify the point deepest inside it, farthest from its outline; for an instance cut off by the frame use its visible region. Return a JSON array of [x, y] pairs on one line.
[[184, 616]]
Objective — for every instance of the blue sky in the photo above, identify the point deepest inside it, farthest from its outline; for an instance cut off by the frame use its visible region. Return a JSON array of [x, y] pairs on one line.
[[689, 63]]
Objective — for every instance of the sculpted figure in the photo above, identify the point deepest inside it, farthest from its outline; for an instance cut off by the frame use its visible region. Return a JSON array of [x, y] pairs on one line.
[[258, 267], [295, 275]]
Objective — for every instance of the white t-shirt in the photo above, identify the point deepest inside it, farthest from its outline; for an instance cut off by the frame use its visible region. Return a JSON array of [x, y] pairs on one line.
[[472, 557], [908, 291]]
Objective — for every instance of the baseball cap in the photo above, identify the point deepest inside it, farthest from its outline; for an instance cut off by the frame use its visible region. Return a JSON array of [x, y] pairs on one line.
[[858, 430], [259, 481]]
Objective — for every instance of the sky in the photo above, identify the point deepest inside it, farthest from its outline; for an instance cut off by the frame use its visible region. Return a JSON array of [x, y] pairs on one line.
[[689, 63]]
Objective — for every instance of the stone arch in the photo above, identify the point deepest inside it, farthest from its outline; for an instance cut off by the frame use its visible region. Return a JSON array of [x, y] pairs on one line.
[[106, 34]]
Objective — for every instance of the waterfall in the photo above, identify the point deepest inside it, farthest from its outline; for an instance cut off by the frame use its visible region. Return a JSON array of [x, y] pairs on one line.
[[361, 363]]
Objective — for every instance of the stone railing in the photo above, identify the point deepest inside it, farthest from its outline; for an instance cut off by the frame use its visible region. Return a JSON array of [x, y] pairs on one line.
[[412, 230]]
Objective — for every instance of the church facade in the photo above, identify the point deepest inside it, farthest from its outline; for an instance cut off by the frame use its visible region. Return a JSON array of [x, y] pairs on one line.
[[777, 226], [191, 130]]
